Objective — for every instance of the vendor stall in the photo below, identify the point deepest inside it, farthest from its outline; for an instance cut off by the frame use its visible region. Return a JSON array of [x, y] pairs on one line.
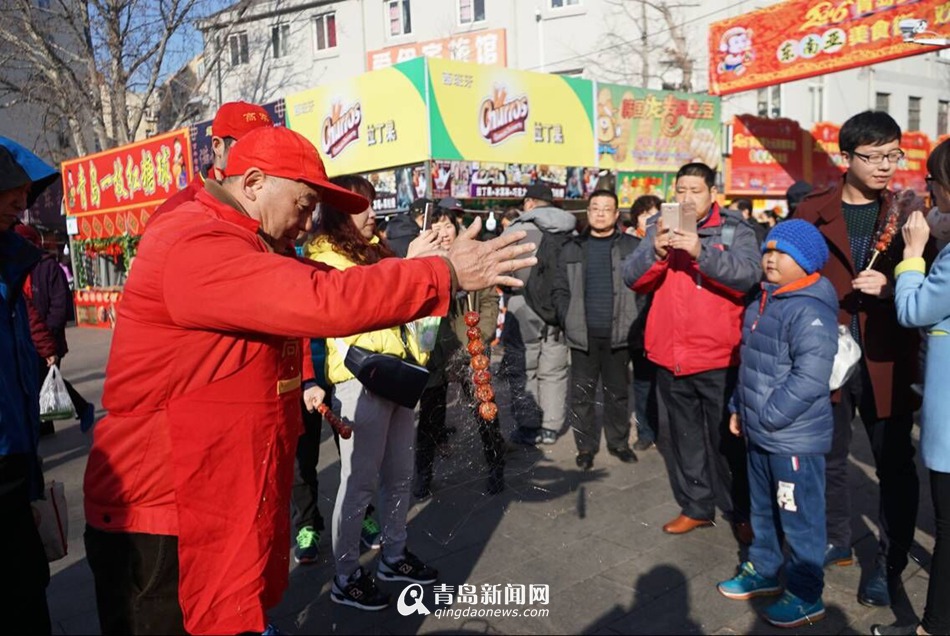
[[109, 197]]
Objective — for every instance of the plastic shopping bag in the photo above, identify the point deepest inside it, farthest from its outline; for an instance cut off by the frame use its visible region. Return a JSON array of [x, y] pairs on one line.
[[55, 403], [846, 360]]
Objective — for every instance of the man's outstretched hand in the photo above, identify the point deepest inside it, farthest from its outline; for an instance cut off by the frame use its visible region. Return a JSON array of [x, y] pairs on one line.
[[481, 264]]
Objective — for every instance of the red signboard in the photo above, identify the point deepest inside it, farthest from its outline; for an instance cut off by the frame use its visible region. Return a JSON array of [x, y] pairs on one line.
[[113, 192], [827, 164], [767, 156], [803, 38], [912, 169]]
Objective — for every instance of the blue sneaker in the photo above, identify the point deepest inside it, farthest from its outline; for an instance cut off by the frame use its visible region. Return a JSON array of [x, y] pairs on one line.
[[838, 555], [87, 418], [748, 584], [369, 535], [791, 611]]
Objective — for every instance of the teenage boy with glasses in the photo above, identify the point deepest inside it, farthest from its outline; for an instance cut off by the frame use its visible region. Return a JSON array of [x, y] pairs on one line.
[[850, 216]]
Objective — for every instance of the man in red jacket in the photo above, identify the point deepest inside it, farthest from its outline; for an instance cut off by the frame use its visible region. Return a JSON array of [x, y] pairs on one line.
[[188, 481], [699, 282], [232, 121]]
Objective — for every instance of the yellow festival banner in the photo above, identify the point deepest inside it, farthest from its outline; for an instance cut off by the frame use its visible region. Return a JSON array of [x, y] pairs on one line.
[[375, 120], [480, 113]]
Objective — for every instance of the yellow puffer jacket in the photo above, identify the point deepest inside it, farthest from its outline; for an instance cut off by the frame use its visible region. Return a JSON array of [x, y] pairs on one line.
[[381, 341]]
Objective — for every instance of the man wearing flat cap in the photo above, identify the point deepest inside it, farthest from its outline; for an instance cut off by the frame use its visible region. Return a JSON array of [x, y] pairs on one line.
[[232, 121], [188, 481]]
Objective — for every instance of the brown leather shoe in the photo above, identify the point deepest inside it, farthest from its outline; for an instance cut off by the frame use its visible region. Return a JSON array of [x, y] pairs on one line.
[[743, 532], [683, 524]]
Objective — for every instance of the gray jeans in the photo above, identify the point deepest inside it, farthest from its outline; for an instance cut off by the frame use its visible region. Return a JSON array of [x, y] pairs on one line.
[[379, 455]]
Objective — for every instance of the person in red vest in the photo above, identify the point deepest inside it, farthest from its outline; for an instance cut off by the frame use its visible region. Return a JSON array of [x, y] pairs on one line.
[[232, 121], [188, 481]]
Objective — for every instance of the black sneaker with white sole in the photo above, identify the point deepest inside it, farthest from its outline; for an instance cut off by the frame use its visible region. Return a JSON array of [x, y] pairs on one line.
[[360, 592], [409, 569]]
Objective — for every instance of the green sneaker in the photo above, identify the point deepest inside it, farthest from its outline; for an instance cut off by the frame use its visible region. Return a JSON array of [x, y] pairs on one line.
[[306, 550], [369, 536]]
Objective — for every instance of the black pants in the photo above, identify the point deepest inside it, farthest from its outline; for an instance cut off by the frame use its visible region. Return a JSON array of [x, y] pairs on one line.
[[709, 462], [937, 613], [136, 582], [600, 363], [431, 431], [23, 602], [893, 453], [306, 488], [644, 395]]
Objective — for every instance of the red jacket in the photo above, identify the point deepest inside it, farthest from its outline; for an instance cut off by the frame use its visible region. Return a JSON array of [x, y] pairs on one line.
[[695, 320], [196, 185], [203, 393]]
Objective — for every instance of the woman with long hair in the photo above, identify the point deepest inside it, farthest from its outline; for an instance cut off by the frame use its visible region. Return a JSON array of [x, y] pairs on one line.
[[378, 457], [923, 301]]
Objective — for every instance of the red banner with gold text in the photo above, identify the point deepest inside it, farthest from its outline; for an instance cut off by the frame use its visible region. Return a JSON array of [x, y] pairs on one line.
[[803, 38], [114, 192]]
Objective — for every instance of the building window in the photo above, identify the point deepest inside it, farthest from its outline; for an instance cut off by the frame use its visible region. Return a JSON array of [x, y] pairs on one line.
[[324, 32], [942, 109], [400, 21], [471, 11], [280, 39], [559, 4], [882, 102], [238, 45], [770, 101], [913, 113]]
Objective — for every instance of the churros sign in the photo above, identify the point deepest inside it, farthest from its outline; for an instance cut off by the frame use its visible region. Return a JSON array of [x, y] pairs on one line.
[[341, 128], [500, 117]]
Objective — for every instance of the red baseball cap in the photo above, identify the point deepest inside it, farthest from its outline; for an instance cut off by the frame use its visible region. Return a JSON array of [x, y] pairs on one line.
[[236, 119], [281, 152]]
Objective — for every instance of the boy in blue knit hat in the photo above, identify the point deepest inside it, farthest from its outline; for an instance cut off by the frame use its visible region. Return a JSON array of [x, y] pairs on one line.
[[783, 408]]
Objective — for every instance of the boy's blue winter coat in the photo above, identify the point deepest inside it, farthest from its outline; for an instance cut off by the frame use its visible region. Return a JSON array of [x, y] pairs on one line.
[[789, 342]]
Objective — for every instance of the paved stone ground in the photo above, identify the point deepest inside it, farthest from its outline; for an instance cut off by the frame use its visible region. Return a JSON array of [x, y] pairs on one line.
[[593, 537]]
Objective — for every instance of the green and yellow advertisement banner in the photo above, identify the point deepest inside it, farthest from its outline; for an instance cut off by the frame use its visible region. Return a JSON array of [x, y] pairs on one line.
[[372, 121], [643, 130], [484, 113]]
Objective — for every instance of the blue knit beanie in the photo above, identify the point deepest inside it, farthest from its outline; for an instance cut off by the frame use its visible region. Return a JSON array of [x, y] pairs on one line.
[[802, 241]]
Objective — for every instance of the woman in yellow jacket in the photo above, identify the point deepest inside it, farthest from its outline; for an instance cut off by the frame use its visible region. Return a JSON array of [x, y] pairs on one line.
[[379, 455]]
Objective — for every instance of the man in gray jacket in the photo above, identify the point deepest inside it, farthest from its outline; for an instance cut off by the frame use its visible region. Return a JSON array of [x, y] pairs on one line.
[[596, 311], [536, 357]]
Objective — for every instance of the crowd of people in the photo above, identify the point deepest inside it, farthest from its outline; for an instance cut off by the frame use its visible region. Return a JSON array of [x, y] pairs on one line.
[[231, 351]]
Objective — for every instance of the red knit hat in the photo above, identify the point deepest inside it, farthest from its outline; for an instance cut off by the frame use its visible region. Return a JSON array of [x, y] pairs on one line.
[[236, 119], [281, 152]]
